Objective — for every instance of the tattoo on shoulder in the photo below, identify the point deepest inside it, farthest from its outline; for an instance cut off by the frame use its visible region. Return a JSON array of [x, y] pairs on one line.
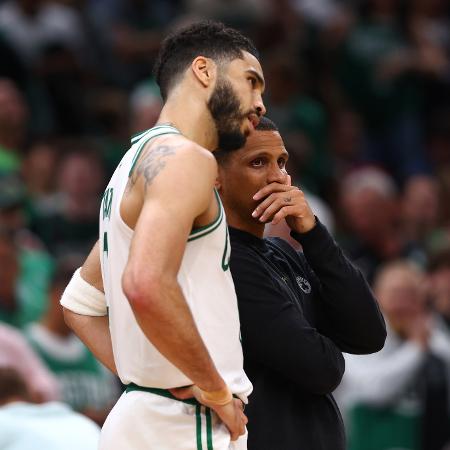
[[152, 163]]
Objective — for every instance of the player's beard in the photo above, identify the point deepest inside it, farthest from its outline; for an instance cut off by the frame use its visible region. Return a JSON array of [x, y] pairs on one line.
[[226, 111]]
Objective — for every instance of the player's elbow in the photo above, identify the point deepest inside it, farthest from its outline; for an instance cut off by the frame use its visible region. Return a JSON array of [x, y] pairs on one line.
[[69, 318], [142, 290]]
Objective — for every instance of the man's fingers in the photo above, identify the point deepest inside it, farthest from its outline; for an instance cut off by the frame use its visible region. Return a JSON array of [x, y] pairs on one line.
[[279, 198], [232, 416], [283, 213], [273, 208], [270, 188]]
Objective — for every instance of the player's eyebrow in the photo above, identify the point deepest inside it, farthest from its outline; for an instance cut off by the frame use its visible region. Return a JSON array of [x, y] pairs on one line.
[[264, 154], [259, 78]]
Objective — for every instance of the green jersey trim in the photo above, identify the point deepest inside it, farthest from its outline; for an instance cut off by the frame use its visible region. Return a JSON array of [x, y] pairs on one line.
[[207, 229], [141, 134], [146, 139]]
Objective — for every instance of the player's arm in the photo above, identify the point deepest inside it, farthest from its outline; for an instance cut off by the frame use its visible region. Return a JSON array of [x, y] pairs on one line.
[[177, 189], [85, 311]]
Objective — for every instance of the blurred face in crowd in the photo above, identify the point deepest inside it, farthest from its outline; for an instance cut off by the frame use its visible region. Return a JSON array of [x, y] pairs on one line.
[[401, 292], [39, 168], [81, 176], [13, 110], [244, 172], [421, 203], [373, 217]]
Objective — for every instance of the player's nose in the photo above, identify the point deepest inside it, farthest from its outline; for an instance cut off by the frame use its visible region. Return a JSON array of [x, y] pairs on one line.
[[259, 106], [276, 174]]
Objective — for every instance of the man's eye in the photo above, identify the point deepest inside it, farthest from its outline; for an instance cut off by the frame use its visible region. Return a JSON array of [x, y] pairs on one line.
[[252, 81], [257, 162], [282, 163]]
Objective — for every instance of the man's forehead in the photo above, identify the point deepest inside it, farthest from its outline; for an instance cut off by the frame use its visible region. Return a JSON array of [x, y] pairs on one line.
[[263, 140], [252, 60], [249, 62]]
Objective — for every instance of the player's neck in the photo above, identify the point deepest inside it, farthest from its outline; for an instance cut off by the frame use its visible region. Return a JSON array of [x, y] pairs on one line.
[[191, 117]]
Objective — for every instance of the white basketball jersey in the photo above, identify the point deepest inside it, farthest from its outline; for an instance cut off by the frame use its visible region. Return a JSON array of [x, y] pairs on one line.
[[204, 277]]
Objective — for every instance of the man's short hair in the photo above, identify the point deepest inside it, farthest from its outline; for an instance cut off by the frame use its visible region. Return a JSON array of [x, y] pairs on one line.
[[265, 124], [207, 38]]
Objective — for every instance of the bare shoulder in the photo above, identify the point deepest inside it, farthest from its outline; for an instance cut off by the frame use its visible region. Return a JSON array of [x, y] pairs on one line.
[[172, 154], [200, 154], [192, 150]]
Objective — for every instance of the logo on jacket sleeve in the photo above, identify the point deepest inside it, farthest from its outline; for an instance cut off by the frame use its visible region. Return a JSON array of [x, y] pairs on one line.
[[303, 284]]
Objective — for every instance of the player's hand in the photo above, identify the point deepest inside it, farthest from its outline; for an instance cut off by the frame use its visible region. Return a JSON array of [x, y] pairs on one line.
[[283, 201], [231, 414]]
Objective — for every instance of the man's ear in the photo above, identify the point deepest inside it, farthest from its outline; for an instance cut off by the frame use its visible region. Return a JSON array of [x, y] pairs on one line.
[[217, 184], [204, 69]]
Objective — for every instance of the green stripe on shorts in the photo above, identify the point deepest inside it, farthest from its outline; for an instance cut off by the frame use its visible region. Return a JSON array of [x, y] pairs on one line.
[[209, 429], [198, 421]]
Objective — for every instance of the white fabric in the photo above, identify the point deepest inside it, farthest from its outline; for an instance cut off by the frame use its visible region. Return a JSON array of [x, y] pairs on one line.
[[379, 379], [207, 286], [173, 426], [82, 298]]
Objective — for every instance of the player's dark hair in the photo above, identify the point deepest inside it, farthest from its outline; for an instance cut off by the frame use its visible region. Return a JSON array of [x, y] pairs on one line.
[[207, 38], [265, 124]]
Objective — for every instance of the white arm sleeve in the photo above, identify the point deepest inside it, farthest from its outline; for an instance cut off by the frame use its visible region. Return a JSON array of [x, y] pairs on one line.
[[82, 298]]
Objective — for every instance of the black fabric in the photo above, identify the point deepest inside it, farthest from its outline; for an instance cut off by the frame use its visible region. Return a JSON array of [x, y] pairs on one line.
[[298, 312], [435, 417]]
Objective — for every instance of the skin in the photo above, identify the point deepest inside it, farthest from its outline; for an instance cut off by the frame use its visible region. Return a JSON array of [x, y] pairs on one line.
[[256, 189], [148, 206], [401, 291]]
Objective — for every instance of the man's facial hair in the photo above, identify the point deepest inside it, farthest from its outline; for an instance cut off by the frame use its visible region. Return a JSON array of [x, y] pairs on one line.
[[226, 111]]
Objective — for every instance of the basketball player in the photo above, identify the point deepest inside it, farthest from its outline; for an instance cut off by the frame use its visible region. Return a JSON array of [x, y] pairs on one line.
[[164, 252]]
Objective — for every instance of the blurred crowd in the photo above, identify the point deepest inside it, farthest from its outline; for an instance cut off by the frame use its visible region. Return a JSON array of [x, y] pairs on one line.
[[360, 91]]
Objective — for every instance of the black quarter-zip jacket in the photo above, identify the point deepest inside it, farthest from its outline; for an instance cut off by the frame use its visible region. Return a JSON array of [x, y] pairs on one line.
[[299, 311]]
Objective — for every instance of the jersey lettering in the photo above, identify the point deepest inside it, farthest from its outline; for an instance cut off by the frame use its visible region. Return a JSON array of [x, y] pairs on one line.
[[107, 202]]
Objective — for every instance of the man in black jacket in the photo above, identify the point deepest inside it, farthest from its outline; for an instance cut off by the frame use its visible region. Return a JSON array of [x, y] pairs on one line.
[[298, 311]]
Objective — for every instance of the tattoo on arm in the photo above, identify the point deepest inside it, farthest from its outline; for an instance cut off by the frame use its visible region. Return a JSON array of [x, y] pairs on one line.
[[152, 163]]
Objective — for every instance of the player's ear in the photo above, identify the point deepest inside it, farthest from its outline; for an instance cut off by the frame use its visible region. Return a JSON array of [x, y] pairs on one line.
[[218, 184], [204, 69]]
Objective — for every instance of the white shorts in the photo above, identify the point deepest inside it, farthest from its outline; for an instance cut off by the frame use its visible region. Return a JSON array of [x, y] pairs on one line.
[[147, 421]]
